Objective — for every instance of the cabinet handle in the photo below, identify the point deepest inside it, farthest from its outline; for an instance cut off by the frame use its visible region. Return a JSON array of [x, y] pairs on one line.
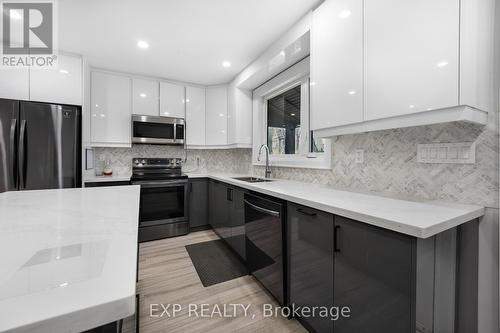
[[300, 210], [190, 187], [229, 194], [336, 240]]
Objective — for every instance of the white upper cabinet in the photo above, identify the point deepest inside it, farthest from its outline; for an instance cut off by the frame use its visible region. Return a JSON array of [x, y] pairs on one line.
[[195, 116], [14, 83], [337, 63], [110, 110], [239, 122], [411, 56], [145, 97], [381, 64], [216, 116], [172, 100], [59, 85]]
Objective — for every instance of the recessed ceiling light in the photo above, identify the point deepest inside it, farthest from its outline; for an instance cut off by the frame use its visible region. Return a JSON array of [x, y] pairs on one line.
[[411, 106], [292, 114], [142, 44], [64, 284], [344, 14], [221, 114], [63, 71], [442, 64], [226, 64], [352, 92], [143, 95]]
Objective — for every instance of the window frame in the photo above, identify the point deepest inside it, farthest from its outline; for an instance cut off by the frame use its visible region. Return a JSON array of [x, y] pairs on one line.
[[296, 75]]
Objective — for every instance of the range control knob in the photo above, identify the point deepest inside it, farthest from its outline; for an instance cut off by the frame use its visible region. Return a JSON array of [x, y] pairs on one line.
[[136, 161], [143, 161]]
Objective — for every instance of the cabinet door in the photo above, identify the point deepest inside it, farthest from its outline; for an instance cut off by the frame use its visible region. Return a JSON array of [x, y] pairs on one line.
[[375, 276], [110, 110], [195, 116], [310, 239], [172, 100], [237, 221], [145, 97], [411, 56], [61, 85], [216, 116], [337, 64], [219, 208], [198, 209], [14, 84]]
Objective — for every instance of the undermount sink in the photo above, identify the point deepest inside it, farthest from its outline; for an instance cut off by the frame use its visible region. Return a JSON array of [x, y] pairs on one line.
[[253, 179]]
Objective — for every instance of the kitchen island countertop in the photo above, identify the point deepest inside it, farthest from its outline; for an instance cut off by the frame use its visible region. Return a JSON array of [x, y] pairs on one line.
[[68, 259]]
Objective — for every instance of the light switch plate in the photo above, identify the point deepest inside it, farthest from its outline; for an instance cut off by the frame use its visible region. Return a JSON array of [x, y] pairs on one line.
[[454, 153]]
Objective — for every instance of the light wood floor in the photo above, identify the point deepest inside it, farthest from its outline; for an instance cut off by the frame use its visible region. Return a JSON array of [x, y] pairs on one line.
[[167, 275]]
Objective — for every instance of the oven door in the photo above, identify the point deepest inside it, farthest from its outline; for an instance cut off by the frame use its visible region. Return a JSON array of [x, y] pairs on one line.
[[157, 130], [163, 202]]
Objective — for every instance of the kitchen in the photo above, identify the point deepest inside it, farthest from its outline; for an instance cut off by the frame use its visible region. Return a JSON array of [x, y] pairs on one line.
[[189, 166]]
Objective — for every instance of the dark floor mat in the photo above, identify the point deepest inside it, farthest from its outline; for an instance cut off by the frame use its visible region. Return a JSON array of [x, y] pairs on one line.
[[215, 262]]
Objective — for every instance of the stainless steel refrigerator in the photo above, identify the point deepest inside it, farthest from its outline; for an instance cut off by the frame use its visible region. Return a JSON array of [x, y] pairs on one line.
[[40, 146]]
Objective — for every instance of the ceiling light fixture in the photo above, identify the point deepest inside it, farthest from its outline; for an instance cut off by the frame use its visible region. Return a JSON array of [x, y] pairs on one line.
[[226, 64], [352, 92], [442, 64], [142, 44], [63, 71], [344, 14], [143, 95]]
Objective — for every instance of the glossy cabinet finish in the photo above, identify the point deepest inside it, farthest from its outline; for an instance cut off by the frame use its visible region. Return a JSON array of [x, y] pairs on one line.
[[172, 100], [375, 275], [237, 221], [337, 64], [412, 59], [311, 258], [226, 214], [216, 116], [198, 202], [195, 115], [110, 110], [239, 117], [62, 85], [14, 84], [145, 97]]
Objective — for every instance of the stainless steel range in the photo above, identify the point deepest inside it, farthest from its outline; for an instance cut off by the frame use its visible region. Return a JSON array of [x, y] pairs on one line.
[[164, 197]]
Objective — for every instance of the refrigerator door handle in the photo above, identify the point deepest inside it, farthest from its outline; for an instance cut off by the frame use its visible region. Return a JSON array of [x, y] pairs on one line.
[[22, 155], [13, 125]]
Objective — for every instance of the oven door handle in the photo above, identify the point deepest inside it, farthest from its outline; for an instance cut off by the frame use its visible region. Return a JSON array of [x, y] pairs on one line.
[[160, 184]]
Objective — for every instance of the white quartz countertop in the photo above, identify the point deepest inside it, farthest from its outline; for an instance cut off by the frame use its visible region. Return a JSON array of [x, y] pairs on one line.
[[68, 258], [112, 178], [421, 219]]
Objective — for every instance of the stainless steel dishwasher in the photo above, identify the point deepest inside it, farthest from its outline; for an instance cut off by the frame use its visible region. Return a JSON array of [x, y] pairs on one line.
[[265, 242]]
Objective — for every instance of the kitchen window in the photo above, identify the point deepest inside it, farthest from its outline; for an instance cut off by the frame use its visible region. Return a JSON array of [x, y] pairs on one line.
[[281, 111]]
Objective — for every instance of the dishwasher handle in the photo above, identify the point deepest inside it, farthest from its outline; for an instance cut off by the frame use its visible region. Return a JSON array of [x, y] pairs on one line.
[[262, 210]]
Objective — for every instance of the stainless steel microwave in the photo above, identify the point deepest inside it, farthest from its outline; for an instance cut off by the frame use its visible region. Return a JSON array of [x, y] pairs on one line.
[[158, 130]]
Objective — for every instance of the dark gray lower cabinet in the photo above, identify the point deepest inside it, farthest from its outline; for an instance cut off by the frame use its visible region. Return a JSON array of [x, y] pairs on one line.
[[198, 202], [334, 261], [310, 246], [226, 213], [375, 275]]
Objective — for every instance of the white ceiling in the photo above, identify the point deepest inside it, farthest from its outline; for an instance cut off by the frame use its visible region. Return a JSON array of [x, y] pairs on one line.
[[189, 39]]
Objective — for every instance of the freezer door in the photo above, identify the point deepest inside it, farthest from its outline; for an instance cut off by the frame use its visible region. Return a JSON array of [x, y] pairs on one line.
[[49, 148], [9, 125]]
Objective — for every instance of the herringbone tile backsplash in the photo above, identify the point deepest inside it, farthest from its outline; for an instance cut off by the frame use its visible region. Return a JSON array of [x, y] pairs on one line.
[[389, 167]]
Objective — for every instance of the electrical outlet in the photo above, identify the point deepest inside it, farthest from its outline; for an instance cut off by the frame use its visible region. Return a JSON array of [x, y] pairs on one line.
[[198, 161], [360, 156]]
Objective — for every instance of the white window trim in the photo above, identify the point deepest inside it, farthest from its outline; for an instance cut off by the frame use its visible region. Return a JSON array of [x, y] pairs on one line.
[[297, 74]]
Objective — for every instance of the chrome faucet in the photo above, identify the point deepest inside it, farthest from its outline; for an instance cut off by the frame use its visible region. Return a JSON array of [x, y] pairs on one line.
[[268, 169]]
